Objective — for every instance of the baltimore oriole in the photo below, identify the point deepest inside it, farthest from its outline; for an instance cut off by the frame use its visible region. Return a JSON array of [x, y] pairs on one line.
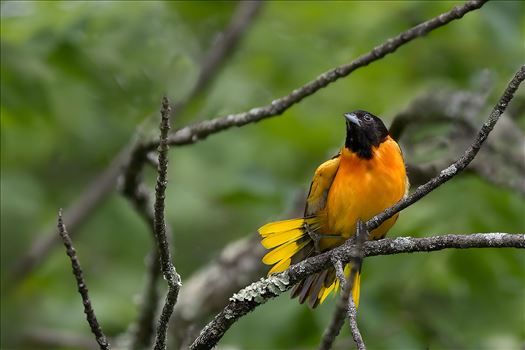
[[366, 177]]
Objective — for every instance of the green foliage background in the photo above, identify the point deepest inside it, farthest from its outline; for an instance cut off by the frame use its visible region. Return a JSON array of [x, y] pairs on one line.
[[79, 79]]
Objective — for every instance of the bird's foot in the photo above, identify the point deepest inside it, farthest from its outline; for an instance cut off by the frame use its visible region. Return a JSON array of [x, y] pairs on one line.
[[317, 237]]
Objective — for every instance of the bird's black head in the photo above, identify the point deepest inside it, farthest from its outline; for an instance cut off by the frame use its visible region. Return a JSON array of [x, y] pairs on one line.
[[364, 131]]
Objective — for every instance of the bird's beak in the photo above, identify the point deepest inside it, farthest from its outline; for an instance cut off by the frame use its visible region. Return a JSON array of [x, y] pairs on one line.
[[352, 118]]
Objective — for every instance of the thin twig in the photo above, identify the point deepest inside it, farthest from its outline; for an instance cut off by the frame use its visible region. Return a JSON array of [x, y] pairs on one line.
[[352, 320], [168, 270], [213, 332], [82, 287], [499, 162], [358, 255], [343, 304], [197, 132], [338, 319], [247, 299], [463, 161]]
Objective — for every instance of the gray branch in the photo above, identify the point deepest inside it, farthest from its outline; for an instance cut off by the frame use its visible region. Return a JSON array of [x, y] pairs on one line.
[[463, 161], [82, 287], [247, 299], [197, 132], [168, 270]]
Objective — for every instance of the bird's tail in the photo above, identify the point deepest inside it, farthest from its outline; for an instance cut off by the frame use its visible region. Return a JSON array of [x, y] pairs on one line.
[[290, 243], [315, 288]]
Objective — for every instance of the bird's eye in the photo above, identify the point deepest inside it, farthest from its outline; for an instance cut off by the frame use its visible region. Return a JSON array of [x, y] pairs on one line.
[[368, 118]]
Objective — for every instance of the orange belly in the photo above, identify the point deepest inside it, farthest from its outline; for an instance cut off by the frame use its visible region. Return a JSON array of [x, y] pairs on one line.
[[361, 189]]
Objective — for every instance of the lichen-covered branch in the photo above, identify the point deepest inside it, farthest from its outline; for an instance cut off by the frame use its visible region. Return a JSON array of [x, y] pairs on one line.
[[352, 320], [82, 287], [247, 299]]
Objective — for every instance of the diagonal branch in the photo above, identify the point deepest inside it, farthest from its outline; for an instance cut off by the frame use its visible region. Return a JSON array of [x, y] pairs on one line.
[[463, 161], [82, 287], [213, 332], [168, 270], [247, 299], [197, 132]]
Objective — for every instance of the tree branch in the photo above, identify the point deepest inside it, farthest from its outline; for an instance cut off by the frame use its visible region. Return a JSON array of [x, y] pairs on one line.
[[168, 270], [460, 164], [82, 287], [345, 304], [352, 320], [212, 333], [197, 132], [247, 299]]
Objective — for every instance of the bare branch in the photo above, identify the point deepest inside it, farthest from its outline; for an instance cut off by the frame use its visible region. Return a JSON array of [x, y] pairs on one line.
[[168, 270], [462, 162], [345, 302], [247, 299], [82, 287], [352, 320], [197, 132]]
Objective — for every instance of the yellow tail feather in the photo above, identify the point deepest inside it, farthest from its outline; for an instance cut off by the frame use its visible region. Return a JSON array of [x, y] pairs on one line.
[[278, 227], [282, 252], [285, 238], [356, 290], [273, 240]]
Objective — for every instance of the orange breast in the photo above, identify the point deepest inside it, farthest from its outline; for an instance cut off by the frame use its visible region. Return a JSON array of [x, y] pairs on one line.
[[363, 188]]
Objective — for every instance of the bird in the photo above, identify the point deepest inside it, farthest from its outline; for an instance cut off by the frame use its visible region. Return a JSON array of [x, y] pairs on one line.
[[367, 176]]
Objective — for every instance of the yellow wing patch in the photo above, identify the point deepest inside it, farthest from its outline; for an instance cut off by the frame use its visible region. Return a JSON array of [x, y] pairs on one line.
[[321, 183]]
